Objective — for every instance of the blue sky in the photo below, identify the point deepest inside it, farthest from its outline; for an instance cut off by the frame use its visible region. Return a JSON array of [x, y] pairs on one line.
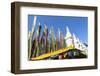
[[77, 25]]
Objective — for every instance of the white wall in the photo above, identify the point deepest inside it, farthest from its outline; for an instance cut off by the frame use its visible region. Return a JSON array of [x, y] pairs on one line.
[[5, 42]]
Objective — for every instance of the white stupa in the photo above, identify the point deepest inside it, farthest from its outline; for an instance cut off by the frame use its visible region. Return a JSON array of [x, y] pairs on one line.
[[68, 38], [74, 41], [76, 45]]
